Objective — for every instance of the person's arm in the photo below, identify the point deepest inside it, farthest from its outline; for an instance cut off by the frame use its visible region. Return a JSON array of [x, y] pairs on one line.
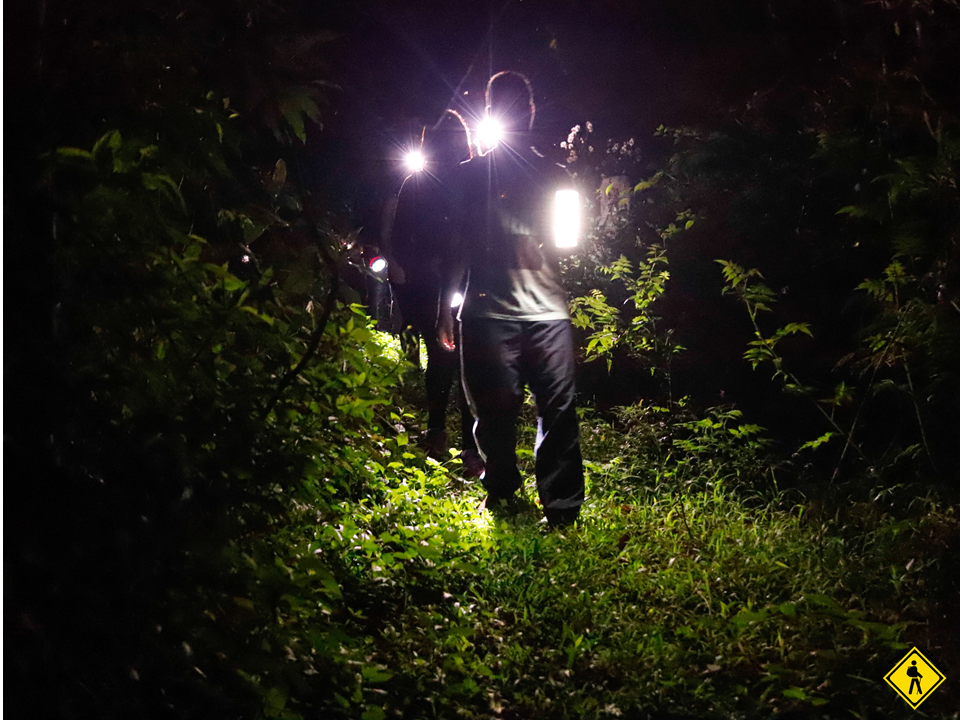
[[451, 282], [453, 268], [388, 225]]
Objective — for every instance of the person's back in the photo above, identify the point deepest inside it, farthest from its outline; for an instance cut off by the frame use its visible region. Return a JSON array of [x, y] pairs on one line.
[[421, 234], [419, 246], [505, 236], [516, 330]]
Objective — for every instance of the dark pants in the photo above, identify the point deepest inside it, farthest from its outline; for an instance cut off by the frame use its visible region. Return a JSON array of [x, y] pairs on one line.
[[499, 358], [419, 303], [443, 367]]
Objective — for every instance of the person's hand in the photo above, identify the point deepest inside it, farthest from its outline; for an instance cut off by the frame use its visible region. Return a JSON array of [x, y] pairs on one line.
[[397, 274], [445, 332]]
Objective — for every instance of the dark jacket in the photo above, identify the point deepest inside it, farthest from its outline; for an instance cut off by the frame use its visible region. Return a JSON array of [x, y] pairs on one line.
[[504, 237]]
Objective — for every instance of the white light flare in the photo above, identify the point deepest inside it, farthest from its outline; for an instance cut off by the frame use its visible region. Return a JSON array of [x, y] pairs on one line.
[[488, 134], [566, 219], [457, 300], [415, 161], [378, 264]]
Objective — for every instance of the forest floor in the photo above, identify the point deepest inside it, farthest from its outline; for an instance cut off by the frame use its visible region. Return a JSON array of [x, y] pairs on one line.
[[679, 594]]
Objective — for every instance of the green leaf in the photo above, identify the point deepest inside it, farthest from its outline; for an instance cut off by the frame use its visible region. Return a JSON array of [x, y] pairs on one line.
[[853, 211], [746, 617], [794, 328], [814, 444], [274, 701], [376, 675], [296, 105], [232, 282], [165, 186], [647, 184], [71, 153], [788, 608], [257, 314], [108, 141]]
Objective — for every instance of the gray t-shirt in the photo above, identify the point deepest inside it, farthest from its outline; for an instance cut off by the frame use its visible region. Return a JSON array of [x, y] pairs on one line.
[[505, 201]]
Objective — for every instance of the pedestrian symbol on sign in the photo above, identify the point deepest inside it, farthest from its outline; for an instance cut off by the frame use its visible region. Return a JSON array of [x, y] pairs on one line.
[[913, 673], [914, 678]]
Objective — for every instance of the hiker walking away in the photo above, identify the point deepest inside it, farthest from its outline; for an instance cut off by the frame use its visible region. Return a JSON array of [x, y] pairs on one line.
[[515, 329], [414, 245]]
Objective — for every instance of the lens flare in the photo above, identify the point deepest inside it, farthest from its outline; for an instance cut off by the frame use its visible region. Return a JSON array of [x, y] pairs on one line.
[[415, 161], [488, 134]]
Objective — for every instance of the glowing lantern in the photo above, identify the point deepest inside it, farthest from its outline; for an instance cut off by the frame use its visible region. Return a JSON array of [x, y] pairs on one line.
[[566, 218]]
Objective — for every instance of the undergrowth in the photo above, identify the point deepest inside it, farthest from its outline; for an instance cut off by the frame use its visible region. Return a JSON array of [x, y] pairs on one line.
[[263, 515], [687, 590]]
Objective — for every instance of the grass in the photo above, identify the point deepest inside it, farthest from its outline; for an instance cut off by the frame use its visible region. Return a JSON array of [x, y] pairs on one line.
[[678, 595], [691, 588]]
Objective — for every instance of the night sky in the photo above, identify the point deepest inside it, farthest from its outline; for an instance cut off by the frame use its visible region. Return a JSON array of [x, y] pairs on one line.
[[626, 66]]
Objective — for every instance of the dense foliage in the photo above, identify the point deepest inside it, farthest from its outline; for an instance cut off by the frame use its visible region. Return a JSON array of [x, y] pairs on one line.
[[831, 206]]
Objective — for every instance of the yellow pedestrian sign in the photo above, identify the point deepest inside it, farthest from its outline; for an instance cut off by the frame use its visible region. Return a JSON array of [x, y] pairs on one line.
[[914, 678]]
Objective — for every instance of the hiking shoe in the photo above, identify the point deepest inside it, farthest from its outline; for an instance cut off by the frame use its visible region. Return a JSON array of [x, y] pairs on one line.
[[561, 518], [503, 507], [434, 443], [472, 463], [494, 502]]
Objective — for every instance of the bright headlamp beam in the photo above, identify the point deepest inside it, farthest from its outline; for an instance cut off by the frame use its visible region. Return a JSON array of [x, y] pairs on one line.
[[488, 134], [566, 218], [415, 161], [457, 300], [378, 264]]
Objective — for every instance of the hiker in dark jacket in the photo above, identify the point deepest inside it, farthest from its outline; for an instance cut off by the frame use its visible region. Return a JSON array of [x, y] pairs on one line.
[[515, 329], [416, 246]]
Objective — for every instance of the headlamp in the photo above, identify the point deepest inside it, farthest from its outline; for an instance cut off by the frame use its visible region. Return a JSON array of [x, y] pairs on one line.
[[415, 161], [488, 134], [378, 264], [457, 300], [566, 218]]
